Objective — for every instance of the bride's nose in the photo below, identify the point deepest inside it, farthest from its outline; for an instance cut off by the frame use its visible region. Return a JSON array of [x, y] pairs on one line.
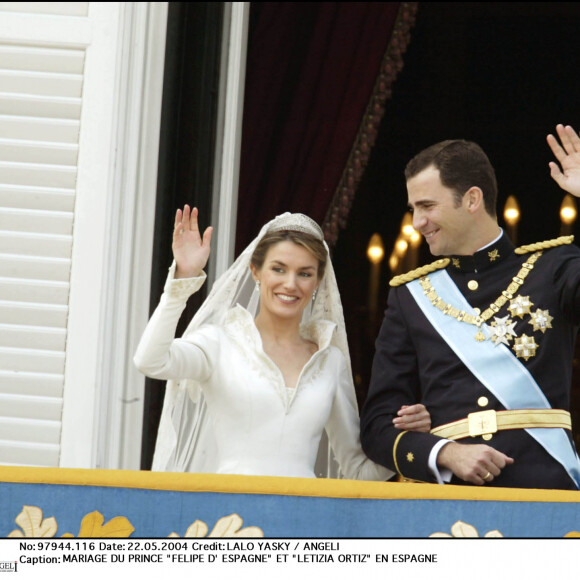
[[290, 280]]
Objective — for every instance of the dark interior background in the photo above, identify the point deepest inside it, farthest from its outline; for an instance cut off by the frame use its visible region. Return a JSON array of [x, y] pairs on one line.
[[498, 73], [186, 157]]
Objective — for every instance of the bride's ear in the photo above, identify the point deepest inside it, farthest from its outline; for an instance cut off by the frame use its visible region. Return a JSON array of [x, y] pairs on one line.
[[254, 271]]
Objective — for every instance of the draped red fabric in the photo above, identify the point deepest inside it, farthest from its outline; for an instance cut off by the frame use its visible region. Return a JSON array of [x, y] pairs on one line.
[[311, 70]]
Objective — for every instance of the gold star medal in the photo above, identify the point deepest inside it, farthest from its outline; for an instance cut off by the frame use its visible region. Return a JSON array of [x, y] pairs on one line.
[[525, 347], [503, 330], [541, 320], [520, 305]]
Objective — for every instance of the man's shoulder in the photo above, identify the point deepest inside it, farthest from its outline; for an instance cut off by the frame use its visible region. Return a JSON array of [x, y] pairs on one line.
[[419, 272], [562, 241]]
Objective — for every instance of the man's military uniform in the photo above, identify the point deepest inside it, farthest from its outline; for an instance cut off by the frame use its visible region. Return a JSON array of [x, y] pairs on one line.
[[530, 302]]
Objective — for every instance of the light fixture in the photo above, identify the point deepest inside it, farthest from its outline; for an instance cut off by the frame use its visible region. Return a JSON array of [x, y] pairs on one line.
[[376, 249], [407, 228], [401, 246], [568, 210], [415, 238], [511, 211]]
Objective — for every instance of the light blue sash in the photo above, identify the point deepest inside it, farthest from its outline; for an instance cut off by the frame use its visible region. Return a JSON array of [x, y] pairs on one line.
[[494, 366]]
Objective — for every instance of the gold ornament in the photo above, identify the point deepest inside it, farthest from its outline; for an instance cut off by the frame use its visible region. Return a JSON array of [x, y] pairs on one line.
[[494, 308], [520, 305], [479, 336], [541, 320], [525, 347], [493, 255]]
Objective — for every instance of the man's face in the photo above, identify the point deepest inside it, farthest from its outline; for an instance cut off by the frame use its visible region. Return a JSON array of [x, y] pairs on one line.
[[437, 216]]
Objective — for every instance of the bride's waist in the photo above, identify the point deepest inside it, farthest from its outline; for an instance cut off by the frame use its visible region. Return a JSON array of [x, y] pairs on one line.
[[280, 467]]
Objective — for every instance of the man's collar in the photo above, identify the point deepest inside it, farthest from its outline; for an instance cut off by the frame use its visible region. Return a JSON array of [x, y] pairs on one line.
[[491, 254]]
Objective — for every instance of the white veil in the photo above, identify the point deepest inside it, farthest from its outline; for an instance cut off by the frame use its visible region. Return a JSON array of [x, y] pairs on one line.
[[185, 441]]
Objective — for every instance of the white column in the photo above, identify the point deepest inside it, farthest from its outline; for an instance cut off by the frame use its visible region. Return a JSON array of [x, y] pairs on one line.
[[113, 234]]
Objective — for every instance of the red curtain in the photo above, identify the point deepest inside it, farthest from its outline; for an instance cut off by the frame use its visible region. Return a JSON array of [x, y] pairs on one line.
[[317, 77]]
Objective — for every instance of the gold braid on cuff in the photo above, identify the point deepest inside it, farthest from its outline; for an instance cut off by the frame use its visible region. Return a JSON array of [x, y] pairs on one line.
[[396, 444]]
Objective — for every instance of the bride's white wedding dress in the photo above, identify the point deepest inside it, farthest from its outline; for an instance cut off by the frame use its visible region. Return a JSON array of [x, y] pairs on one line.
[[261, 426]]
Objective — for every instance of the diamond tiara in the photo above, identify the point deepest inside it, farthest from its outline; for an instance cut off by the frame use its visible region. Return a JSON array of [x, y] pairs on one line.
[[297, 222]]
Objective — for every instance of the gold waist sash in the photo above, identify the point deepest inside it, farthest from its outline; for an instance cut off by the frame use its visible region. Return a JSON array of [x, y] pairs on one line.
[[489, 422]]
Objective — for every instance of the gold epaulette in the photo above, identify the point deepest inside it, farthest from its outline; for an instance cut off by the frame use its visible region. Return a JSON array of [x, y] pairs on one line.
[[419, 272], [561, 241]]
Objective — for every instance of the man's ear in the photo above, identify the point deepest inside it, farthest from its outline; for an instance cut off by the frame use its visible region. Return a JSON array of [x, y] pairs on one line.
[[473, 199]]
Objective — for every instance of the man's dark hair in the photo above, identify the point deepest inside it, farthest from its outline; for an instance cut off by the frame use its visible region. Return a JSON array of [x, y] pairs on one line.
[[462, 165]]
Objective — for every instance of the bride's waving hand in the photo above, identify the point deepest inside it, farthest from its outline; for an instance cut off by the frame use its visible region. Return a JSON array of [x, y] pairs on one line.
[[190, 248]]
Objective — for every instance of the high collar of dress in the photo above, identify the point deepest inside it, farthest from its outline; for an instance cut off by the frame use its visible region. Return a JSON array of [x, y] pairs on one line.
[[239, 321], [487, 257]]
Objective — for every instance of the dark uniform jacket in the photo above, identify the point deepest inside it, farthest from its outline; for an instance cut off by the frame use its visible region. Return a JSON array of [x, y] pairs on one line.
[[413, 364]]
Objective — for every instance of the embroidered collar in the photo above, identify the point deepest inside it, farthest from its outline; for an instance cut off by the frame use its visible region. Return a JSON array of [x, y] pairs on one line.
[[489, 256], [239, 322]]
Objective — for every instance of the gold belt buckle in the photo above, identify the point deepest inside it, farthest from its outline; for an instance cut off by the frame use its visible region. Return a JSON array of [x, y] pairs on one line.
[[482, 423]]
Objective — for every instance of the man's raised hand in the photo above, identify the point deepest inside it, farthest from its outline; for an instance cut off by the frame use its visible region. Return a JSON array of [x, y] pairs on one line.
[[567, 153]]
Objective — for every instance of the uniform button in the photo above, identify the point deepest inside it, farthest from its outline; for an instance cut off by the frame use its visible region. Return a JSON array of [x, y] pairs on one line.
[[472, 285], [483, 401], [487, 436], [477, 311]]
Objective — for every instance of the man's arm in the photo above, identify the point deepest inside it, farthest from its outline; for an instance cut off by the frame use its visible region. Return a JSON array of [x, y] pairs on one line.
[[394, 384]]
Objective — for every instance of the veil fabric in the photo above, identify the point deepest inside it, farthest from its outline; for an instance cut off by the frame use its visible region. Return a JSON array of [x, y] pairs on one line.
[[185, 440]]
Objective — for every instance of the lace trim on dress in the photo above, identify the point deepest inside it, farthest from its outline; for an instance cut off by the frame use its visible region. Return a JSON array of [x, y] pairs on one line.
[[182, 287], [239, 326]]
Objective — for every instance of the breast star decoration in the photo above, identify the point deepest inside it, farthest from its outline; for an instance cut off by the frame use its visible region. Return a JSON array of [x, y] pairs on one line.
[[525, 347], [502, 330], [541, 320], [520, 306]]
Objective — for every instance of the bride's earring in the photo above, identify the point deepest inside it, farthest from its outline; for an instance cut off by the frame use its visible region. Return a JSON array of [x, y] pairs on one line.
[[257, 285], [314, 295]]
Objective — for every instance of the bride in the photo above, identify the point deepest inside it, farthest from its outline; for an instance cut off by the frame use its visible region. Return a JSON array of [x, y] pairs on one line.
[[263, 368]]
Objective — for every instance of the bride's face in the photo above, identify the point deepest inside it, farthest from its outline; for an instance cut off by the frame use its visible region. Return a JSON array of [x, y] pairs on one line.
[[287, 279]]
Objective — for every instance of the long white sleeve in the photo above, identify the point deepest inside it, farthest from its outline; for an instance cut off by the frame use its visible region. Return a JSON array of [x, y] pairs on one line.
[[343, 429], [159, 354]]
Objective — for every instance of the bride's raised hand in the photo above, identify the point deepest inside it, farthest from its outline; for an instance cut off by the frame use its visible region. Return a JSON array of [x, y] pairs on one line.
[[190, 248]]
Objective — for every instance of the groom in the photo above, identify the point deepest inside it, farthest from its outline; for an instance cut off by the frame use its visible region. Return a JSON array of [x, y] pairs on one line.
[[484, 336]]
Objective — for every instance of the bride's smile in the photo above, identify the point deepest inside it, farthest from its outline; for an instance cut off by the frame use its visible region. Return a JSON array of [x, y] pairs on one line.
[[287, 280]]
